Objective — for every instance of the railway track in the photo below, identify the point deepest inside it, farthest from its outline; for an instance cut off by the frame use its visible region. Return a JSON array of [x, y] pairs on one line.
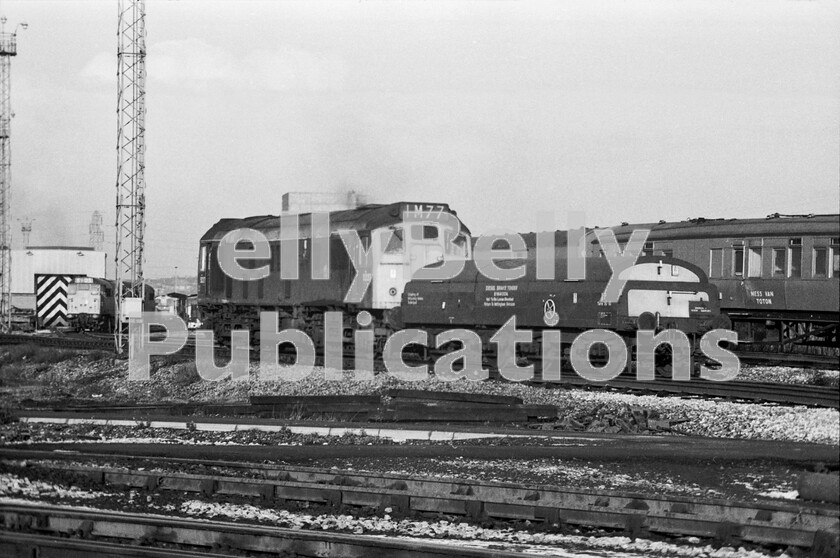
[[824, 362], [43, 531], [786, 394], [87, 342], [106, 342], [814, 527]]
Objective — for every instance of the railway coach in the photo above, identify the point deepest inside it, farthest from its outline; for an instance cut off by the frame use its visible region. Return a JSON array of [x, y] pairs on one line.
[[779, 277]]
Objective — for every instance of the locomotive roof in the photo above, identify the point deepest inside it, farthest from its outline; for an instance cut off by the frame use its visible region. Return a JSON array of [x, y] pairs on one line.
[[363, 218], [110, 283]]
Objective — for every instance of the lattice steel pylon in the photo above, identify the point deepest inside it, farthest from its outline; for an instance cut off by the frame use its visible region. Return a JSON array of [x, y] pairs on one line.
[[97, 237], [8, 48], [131, 148]]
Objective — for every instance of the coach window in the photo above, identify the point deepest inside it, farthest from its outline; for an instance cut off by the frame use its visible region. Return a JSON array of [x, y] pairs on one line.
[[738, 260], [716, 262], [795, 249], [835, 257], [820, 268], [754, 261], [779, 265]]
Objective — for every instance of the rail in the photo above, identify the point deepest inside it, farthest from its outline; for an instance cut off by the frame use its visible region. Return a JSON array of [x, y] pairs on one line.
[[798, 524]]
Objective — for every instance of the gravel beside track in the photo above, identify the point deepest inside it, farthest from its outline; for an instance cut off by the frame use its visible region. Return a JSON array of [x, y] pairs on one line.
[[106, 378]]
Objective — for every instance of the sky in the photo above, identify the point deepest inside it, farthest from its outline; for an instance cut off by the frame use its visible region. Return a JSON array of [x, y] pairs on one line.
[[627, 110]]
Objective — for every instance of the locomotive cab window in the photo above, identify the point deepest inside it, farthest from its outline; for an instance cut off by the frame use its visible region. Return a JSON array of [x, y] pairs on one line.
[[424, 232], [275, 256], [202, 259], [459, 246], [396, 244]]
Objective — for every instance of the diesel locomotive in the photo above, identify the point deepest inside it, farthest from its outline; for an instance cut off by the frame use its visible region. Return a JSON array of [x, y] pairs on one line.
[[659, 293], [91, 304]]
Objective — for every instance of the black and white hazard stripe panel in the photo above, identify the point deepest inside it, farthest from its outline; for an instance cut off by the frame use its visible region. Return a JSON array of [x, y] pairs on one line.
[[51, 299]]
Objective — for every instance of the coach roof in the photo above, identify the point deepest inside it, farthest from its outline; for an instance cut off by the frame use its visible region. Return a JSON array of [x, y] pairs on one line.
[[772, 225]]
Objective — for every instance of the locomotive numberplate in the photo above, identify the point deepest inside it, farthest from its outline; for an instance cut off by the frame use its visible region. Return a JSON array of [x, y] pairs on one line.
[[698, 310], [424, 210]]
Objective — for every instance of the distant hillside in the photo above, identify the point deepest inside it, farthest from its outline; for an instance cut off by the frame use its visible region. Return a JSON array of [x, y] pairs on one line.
[[185, 285]]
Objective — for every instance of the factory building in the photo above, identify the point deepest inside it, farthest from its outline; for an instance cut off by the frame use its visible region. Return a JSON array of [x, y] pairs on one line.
[[40, 275]]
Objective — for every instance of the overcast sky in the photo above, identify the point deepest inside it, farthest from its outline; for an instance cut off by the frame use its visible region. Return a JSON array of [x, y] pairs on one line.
[[630, 111]]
